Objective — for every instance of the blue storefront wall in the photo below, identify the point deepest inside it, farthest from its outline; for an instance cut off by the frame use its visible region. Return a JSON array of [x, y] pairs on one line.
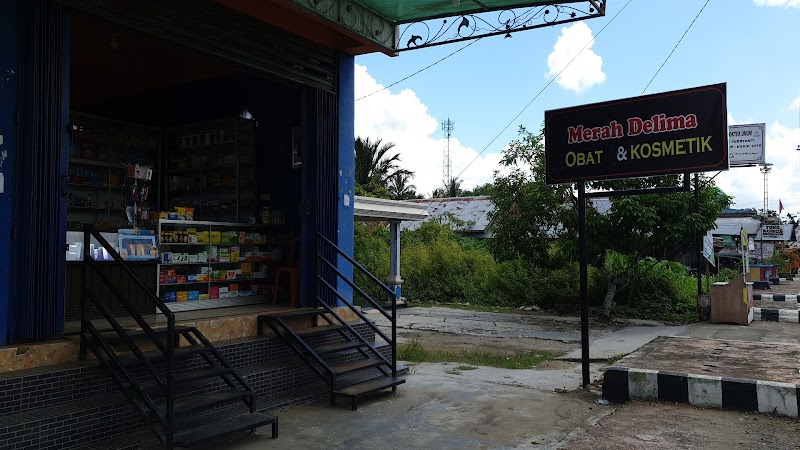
[[9, 69], [347, 167]]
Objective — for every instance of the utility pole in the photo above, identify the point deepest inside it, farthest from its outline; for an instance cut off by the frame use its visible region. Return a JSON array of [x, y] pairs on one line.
[[765, 169], [447, 170]]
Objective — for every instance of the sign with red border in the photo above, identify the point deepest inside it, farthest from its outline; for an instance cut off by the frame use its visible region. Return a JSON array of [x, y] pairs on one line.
[[660, 134]]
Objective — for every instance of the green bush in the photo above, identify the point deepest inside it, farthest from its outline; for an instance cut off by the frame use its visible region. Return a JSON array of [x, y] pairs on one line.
[[659, 290]]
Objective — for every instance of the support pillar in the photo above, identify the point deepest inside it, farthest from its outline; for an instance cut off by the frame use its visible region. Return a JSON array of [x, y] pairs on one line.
[[394, 282], [347, 168], [9, 69]]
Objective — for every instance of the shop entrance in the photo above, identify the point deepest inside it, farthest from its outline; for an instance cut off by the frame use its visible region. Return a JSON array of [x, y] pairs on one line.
[[199, 159]]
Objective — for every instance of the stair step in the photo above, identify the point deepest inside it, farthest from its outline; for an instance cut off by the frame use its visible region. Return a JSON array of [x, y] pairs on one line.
[[354, 366], [370, 386], [113, 336], [202, 434], [188, 376], [319, 330], [338, 347], [156, 355], [300, 312], [189, 405]]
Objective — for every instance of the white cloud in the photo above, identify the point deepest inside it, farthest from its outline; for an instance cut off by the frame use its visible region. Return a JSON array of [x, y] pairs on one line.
[[746, 185], [403, 119], [796, 102], [587, 68], [786, 3]]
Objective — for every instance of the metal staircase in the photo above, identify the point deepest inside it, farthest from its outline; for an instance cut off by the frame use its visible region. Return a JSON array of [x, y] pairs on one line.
[[168, 373], [352, 354]]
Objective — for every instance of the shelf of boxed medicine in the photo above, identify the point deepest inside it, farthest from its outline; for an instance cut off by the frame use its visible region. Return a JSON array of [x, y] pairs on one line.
[[210, 260]]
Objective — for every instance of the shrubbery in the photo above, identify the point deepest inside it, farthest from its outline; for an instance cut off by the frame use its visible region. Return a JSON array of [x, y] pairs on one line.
[[439, 266]]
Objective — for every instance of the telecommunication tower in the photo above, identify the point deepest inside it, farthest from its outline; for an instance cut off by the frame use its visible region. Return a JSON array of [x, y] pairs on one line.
[[447, 170]]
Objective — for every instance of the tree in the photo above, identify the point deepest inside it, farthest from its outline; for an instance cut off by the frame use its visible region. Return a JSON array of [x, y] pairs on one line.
[[374, 166], [451, 189], [480, 190], [539, 223], [400, 187]]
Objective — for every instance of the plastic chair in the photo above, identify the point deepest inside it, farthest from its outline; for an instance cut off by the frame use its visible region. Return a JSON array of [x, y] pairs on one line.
[[293, 272]]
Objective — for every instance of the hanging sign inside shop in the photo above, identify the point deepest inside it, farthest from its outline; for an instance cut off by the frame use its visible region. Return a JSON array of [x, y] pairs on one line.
[[670, 133], [746, 144]]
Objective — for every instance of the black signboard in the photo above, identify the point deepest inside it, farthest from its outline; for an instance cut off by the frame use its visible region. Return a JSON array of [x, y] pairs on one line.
[[669, 133]]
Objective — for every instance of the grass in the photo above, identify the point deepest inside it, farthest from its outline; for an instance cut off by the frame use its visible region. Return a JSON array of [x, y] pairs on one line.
[[415, 352], [613, 360]]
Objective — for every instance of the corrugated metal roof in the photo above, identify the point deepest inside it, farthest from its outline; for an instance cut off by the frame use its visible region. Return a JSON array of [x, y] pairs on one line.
[[732, 226], [472, 211]]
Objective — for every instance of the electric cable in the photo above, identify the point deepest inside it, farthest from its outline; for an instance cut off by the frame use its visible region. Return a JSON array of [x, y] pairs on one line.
[[511, 122], [418, 71], [676, 47]]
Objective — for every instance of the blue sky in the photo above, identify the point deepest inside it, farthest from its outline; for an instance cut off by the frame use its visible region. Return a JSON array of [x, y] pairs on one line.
[[753, 45]]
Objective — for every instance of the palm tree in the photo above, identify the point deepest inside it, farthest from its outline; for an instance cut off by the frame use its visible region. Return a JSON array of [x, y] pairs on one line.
[[400, 187], [373, 166], [452, 188]]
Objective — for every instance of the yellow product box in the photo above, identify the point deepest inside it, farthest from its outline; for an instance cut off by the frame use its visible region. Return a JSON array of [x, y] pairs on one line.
[[181, 212], [215, 237], [247, 268], [182, 296], [234, 256], [164, 215], [202, 237], [203, 297]]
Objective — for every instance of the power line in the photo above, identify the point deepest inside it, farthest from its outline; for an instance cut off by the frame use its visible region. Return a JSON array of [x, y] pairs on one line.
[[418, 72], [676, 46], [532, 100]]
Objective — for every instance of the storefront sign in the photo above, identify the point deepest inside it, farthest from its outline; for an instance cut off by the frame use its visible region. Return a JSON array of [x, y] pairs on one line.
[[772, 232], [746, 144], [669, 133]]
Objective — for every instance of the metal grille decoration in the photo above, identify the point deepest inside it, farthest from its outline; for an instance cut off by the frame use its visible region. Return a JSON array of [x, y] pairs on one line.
[[430, 33]]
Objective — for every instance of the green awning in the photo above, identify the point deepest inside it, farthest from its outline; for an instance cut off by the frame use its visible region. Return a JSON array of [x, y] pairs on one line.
[[399, 25], [415, 10]]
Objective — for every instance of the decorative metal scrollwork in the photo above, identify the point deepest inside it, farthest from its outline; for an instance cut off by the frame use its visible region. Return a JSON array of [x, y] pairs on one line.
[[429, 33]]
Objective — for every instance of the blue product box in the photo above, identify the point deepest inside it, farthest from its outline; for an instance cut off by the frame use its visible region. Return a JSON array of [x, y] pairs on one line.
[[194, 295]]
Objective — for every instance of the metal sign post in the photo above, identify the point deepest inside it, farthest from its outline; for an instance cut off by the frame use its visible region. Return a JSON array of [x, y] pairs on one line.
[[670, 133]]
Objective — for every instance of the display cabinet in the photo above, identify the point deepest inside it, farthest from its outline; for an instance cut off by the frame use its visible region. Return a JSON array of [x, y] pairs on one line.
[[102, 151], [210, 167], [205, 264]]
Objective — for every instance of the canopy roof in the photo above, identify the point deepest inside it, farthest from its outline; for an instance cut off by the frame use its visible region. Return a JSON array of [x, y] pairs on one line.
[[403, 11], [393, 26], [367, 209]]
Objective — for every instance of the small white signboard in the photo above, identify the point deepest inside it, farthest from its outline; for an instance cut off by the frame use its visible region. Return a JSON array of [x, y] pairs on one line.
[[708, 248], [746, 144]]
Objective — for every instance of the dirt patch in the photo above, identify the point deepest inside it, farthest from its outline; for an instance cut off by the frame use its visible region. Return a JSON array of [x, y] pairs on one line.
[[494, 345], [738, 359], [645, 426]]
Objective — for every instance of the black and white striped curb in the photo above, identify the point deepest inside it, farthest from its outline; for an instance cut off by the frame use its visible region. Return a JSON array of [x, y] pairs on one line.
[[776, 297], [776, 315], [621, 384]]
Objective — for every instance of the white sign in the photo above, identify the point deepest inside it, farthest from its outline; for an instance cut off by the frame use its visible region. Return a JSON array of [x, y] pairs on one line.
[[708, 248], [772, 232], [746, 144]]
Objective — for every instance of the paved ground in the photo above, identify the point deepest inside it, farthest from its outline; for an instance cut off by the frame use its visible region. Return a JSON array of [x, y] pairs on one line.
[[446, 405]]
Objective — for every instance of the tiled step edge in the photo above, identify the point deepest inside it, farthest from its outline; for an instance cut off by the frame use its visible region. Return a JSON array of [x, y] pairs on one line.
[[776, 315], [792, 298], [621, 384]]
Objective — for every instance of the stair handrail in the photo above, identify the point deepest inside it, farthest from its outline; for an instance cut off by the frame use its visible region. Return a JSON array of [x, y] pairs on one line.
[[88, 232], [355, 332], [392, 293]]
